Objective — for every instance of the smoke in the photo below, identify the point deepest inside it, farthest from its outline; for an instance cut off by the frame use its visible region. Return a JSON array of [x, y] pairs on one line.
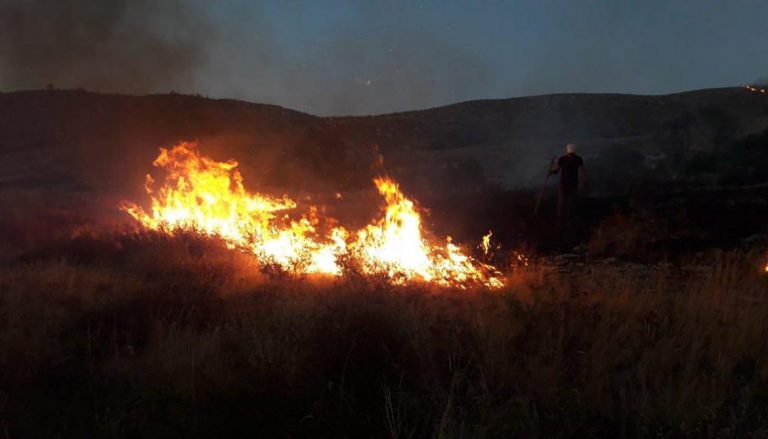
[[374, 59], [353, 57], [371, 58], [402, 72], [128, 46]]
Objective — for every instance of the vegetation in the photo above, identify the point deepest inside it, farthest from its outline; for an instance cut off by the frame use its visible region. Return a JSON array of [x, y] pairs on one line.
[[740, 162], [141, 335]]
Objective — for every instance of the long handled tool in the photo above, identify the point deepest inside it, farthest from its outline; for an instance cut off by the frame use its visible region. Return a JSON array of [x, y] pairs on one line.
[[543, 186]]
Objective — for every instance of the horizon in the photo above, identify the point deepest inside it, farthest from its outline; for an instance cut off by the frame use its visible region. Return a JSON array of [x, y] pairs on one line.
[[353, 58], [193, 94]]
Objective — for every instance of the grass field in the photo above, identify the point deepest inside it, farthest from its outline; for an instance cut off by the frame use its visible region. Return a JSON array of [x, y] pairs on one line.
[[141, 335]]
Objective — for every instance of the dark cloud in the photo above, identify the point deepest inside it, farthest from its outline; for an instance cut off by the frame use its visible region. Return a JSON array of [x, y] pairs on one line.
[[132, 46]]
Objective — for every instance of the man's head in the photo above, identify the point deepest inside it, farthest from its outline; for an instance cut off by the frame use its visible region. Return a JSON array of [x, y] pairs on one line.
[[570, 148]]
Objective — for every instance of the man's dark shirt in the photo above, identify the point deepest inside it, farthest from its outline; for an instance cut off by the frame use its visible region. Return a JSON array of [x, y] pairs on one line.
[[569, 170]]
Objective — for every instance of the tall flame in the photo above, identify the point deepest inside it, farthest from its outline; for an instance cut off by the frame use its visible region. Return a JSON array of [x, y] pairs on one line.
[[208, 196]]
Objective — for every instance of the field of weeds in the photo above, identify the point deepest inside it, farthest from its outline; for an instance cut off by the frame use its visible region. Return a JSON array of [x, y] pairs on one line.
[[142, 335]]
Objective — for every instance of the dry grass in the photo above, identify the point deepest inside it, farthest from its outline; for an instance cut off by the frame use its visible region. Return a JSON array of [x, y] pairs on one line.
[[137, 335]]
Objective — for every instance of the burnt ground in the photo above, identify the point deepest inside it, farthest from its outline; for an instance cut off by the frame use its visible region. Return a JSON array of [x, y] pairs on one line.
[[665, 220]]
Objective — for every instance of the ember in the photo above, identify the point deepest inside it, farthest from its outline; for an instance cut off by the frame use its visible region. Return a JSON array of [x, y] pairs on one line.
[[207, 196]]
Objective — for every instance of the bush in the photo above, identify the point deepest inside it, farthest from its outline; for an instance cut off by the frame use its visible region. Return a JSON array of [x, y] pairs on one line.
[[143, 335], [635, 236], [740, 162]]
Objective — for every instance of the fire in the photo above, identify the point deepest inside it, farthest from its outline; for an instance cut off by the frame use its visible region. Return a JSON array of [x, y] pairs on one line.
[[486, 244], [754, 89], [204, 195]]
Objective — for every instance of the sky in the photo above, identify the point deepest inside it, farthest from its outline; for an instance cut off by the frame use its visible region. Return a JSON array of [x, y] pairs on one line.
[[370, 57]]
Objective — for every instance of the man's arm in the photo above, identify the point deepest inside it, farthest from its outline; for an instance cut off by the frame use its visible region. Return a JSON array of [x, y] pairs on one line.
[[582, 177]]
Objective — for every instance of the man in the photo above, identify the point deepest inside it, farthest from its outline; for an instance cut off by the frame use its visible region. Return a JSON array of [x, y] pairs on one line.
[[570, 166]]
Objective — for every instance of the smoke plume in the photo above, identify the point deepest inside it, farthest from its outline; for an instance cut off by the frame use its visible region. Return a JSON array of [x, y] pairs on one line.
[[129, 46]]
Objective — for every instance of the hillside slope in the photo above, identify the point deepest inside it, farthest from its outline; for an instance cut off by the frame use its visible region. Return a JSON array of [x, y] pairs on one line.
[[512, 140], [105, 143]]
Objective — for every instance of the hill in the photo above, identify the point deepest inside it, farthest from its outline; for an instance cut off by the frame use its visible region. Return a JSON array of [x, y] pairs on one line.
[[79, 151], [511, 140], [96, 141]]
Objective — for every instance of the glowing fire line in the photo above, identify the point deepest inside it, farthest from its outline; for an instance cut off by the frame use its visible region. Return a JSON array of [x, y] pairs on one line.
[[207, 196]]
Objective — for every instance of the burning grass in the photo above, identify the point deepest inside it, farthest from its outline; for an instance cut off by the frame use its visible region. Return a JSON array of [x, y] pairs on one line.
[[145, 334], [207, 196]]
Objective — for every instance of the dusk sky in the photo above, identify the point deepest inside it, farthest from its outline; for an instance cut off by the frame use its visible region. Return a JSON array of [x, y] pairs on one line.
[[355, 57]]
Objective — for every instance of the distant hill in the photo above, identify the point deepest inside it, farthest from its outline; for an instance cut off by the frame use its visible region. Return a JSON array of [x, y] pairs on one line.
[[621, 137], [83, 141]]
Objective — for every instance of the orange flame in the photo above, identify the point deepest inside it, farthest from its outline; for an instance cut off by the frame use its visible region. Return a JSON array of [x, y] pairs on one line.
[[486, 244], [207, 196], [754, 89]]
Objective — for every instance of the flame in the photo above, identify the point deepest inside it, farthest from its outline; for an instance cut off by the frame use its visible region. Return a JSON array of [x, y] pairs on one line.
[[486, 244], [519, 260], [754, 89], [207, 196]]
